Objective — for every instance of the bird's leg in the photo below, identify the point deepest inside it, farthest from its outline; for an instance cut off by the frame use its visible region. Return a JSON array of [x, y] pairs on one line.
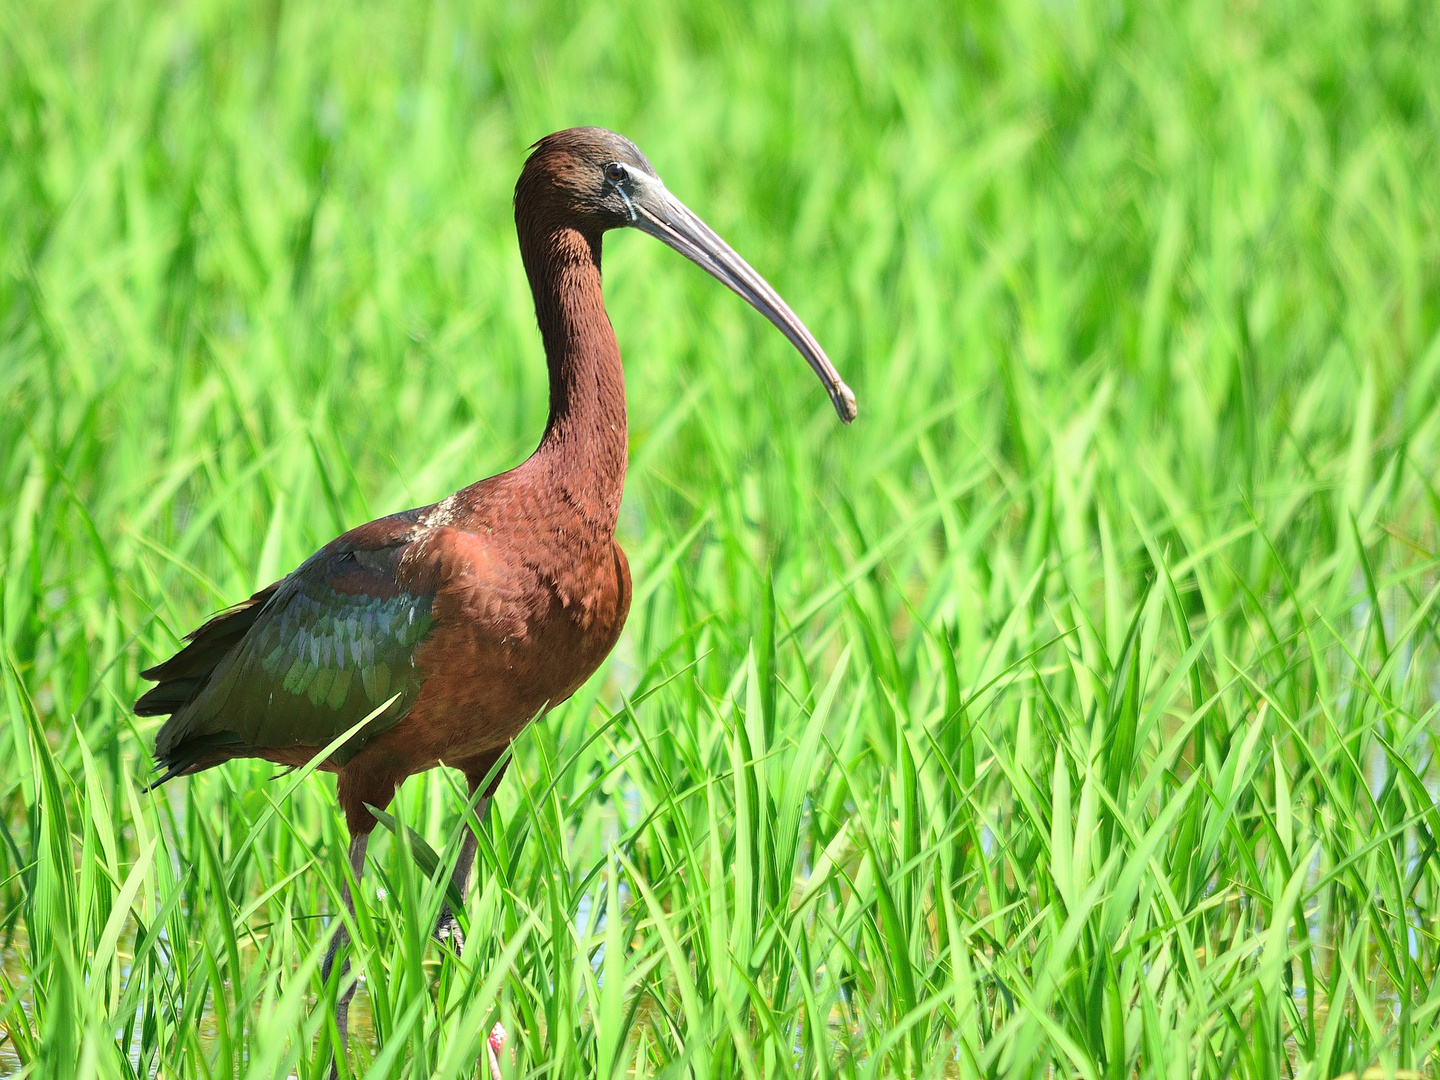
[[477, 771], [447, 928], [358, 843]]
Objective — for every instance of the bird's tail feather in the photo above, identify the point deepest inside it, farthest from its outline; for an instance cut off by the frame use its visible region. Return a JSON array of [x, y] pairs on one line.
[[195, 755]]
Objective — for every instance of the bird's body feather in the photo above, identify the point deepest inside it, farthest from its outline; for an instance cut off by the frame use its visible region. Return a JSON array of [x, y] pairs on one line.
[[324, 647], [475, 613]]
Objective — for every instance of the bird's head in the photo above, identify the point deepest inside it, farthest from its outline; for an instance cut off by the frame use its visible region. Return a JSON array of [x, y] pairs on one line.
[[594, 180], [587, 176]]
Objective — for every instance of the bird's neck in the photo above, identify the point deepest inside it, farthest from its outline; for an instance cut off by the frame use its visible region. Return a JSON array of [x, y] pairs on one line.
[[582, 455]]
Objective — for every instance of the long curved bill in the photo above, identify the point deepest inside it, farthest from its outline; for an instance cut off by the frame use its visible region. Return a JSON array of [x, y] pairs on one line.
[[666, 218]]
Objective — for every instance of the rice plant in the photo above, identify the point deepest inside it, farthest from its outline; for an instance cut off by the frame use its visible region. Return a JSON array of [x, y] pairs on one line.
[[1074, 713]]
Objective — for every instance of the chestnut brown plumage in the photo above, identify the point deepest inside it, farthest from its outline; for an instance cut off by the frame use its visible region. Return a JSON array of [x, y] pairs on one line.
[[477, 613]]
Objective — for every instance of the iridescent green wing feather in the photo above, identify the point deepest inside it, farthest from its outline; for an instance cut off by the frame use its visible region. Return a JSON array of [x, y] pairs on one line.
[[333, 644]]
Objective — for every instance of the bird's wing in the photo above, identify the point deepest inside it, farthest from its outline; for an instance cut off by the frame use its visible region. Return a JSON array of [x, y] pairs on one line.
[[301, 662]]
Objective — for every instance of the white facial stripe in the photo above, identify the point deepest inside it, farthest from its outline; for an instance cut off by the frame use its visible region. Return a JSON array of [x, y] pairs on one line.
[[628, 204]]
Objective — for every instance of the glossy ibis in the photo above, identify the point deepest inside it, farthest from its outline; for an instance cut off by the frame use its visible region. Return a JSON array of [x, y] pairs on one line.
[[477, 613]]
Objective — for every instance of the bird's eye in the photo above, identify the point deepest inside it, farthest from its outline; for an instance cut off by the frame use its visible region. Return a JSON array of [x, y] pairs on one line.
[[615, 172]]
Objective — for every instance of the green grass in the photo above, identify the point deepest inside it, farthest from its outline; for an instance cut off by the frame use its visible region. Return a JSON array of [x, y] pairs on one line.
[[1073, 714]]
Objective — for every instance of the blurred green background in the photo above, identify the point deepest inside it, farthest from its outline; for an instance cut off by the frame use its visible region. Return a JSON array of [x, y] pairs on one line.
[[1073, 713]]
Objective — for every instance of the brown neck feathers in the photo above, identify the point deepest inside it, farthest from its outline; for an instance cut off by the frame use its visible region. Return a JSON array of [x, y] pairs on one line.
[[582, 456]]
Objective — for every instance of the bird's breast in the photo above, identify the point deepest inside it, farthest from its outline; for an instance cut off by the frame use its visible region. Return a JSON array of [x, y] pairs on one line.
[[512, 636]]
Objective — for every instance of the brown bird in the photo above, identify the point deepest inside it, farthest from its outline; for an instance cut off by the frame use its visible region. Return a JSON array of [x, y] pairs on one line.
[[479, 612]]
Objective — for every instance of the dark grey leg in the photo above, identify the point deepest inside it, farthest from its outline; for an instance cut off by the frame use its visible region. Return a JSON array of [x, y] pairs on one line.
[[447, 928], [358, 843]]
